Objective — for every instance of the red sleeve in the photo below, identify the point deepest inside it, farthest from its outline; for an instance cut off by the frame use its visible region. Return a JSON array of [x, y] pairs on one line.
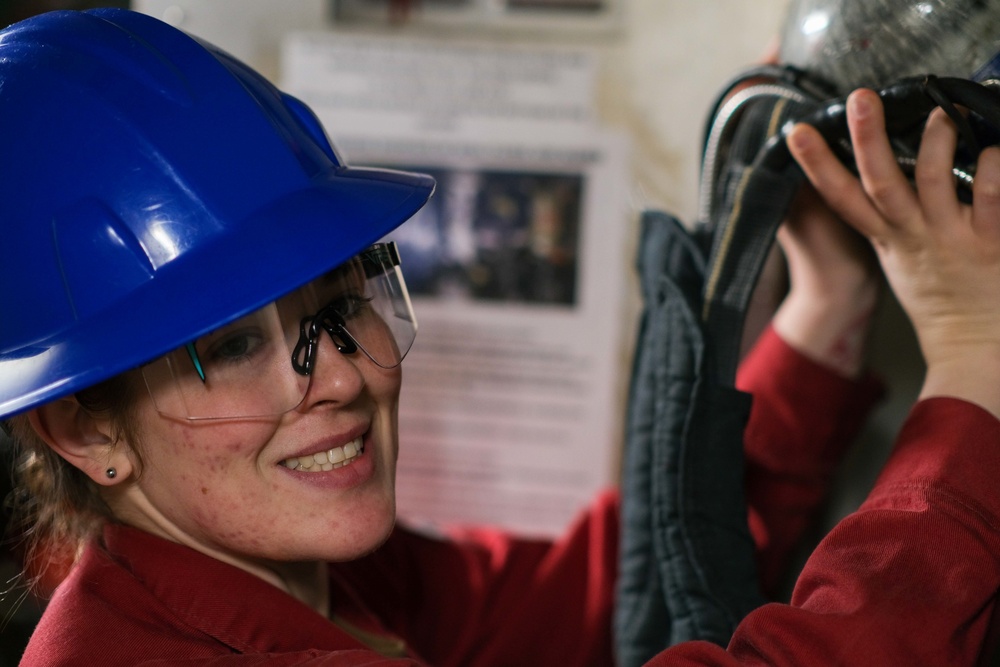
[[910, 578], [482, 597], [803, 418]]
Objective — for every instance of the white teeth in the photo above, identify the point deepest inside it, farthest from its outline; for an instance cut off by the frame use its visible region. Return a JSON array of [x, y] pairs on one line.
[[328, 460]]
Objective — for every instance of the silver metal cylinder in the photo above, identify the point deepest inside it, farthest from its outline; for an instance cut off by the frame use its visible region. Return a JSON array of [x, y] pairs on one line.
[[872, 43]]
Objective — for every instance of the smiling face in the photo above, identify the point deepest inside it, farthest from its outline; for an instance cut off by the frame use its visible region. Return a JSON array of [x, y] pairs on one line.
[[270, 440], [240, 490]]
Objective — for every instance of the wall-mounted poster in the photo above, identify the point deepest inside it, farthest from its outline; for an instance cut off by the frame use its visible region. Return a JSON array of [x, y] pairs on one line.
[[512, 399]]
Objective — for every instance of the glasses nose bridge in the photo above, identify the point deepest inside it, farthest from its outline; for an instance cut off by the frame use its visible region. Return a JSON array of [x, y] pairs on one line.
[[311, 329], [335, 376]]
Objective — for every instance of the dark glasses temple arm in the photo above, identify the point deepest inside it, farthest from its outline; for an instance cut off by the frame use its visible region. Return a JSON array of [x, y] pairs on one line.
[[193, 353]]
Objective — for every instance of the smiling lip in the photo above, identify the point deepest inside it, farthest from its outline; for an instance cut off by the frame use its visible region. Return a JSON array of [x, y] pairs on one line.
[[329, 459]]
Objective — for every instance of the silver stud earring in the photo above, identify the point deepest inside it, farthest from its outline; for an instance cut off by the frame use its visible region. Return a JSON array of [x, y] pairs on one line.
[[111, 473]]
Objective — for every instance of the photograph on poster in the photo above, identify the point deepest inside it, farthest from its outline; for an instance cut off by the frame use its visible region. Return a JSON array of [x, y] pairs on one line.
[[493, 235]]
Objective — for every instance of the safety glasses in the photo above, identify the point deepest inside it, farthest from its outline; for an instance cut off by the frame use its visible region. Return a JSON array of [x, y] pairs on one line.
[[261, 364]]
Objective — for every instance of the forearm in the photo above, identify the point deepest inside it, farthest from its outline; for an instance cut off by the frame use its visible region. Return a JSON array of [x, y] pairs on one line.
[[829, 328], [910, 578], [803, 419]]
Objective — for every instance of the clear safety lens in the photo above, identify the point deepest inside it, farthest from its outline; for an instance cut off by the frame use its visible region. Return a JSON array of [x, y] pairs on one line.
[[261, 364]]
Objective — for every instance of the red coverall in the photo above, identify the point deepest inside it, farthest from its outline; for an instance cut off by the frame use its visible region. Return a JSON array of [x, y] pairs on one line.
[[908, 579]]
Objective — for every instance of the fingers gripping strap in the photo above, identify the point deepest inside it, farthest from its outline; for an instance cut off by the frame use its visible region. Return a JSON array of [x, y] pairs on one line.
[[933, 89]]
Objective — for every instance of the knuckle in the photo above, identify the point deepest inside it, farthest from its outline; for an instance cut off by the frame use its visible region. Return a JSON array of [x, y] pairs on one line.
[[879, 190], [925, 177], [987, 191]]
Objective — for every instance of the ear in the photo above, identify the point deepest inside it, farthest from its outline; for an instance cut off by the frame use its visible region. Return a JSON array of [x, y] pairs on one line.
[[82, 440]]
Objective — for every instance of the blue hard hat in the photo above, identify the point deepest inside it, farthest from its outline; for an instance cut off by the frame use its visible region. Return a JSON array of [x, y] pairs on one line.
[[153, 188]]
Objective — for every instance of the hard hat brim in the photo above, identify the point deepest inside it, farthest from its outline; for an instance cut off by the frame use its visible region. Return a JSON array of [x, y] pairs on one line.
[[305, 233]]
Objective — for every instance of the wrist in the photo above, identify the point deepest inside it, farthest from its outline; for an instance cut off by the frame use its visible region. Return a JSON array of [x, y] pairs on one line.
[[976, 380], [963, 365], [830, 329]]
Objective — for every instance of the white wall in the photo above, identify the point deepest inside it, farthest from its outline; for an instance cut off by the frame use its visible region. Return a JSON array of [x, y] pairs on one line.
[[661, 78]]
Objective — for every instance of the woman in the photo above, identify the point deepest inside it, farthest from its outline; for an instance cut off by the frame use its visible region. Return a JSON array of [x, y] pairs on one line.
[[206, 407]]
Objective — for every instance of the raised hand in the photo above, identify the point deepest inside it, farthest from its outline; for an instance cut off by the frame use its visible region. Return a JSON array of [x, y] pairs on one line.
[[834, 286], [940, 256]]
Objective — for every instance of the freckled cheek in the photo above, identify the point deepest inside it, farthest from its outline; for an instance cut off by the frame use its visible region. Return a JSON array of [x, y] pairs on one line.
[[231, 519], [214, 502], [216, 448]]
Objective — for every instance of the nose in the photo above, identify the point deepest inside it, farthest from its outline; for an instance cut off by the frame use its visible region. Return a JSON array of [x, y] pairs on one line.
[[336, 376]]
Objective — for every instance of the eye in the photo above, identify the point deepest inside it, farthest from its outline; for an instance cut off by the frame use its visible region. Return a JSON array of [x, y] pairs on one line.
[[350, 305], [235, 347]]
